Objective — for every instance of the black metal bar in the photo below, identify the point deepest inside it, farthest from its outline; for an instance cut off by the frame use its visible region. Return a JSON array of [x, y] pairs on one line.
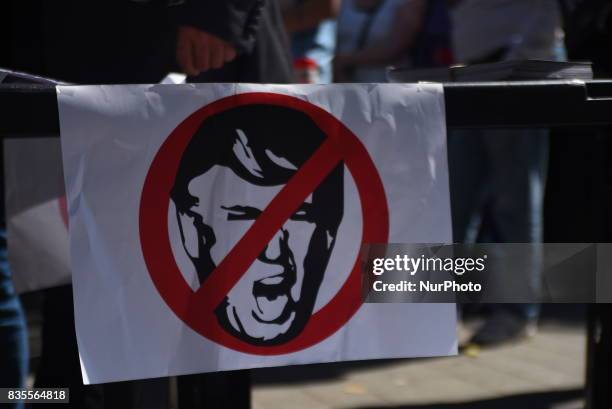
[[28, 110], [528, 104], [32, 109]]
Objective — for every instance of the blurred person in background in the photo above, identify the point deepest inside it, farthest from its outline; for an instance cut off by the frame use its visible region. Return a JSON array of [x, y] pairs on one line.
[[121, 42], [498, 176], [251, 33], [373, 34], [312, 28], [13, 334], [14, 353]]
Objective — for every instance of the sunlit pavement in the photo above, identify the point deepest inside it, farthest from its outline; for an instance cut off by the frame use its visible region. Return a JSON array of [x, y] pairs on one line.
[[545, 371]]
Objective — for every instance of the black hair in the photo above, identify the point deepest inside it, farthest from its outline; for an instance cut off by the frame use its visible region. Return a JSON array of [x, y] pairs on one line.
[[285, 132]]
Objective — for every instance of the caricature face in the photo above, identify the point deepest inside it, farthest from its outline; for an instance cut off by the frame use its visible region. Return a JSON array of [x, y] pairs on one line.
[[267, 300], [220, 192]]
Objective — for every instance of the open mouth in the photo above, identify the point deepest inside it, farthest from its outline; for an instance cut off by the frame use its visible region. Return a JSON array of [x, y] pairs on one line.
[[272, 297]]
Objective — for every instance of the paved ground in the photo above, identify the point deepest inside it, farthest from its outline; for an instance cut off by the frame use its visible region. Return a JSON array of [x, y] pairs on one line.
[[546, 371]]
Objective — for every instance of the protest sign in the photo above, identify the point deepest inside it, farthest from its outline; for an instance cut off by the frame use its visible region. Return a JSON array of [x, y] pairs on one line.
[[36, 213], [218, 227]]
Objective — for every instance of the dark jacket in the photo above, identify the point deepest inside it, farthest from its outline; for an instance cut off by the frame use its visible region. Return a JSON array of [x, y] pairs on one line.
[[262, 43], [123, 41]]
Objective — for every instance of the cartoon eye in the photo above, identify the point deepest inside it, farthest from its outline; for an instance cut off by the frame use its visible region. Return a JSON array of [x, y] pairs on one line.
[[304, 213], [242, 212]]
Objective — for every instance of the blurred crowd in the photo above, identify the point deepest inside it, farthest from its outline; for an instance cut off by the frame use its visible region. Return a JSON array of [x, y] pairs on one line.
[[497, 177]]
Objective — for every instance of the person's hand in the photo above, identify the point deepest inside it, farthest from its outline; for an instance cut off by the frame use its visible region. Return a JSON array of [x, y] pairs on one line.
[[198, 51]]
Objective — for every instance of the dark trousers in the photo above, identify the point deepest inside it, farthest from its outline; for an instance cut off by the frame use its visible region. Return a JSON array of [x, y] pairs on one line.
[[497, 180], [13, 339]]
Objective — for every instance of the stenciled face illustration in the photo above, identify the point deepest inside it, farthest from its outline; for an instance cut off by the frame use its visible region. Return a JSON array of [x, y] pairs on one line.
[[219, 197], [263, 304]]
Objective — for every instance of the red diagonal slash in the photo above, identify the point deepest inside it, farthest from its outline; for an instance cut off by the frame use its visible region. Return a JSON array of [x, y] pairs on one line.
[[285, 203], [196, 309]]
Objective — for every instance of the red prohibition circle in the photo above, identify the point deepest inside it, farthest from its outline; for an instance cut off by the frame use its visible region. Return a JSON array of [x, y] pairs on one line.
[[155, 241]]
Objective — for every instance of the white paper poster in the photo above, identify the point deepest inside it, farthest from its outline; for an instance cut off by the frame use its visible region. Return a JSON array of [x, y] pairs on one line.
[[217, 227], [37, 220]]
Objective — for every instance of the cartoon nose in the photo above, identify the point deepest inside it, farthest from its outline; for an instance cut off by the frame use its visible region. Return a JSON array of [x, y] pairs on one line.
[[274, 248]]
